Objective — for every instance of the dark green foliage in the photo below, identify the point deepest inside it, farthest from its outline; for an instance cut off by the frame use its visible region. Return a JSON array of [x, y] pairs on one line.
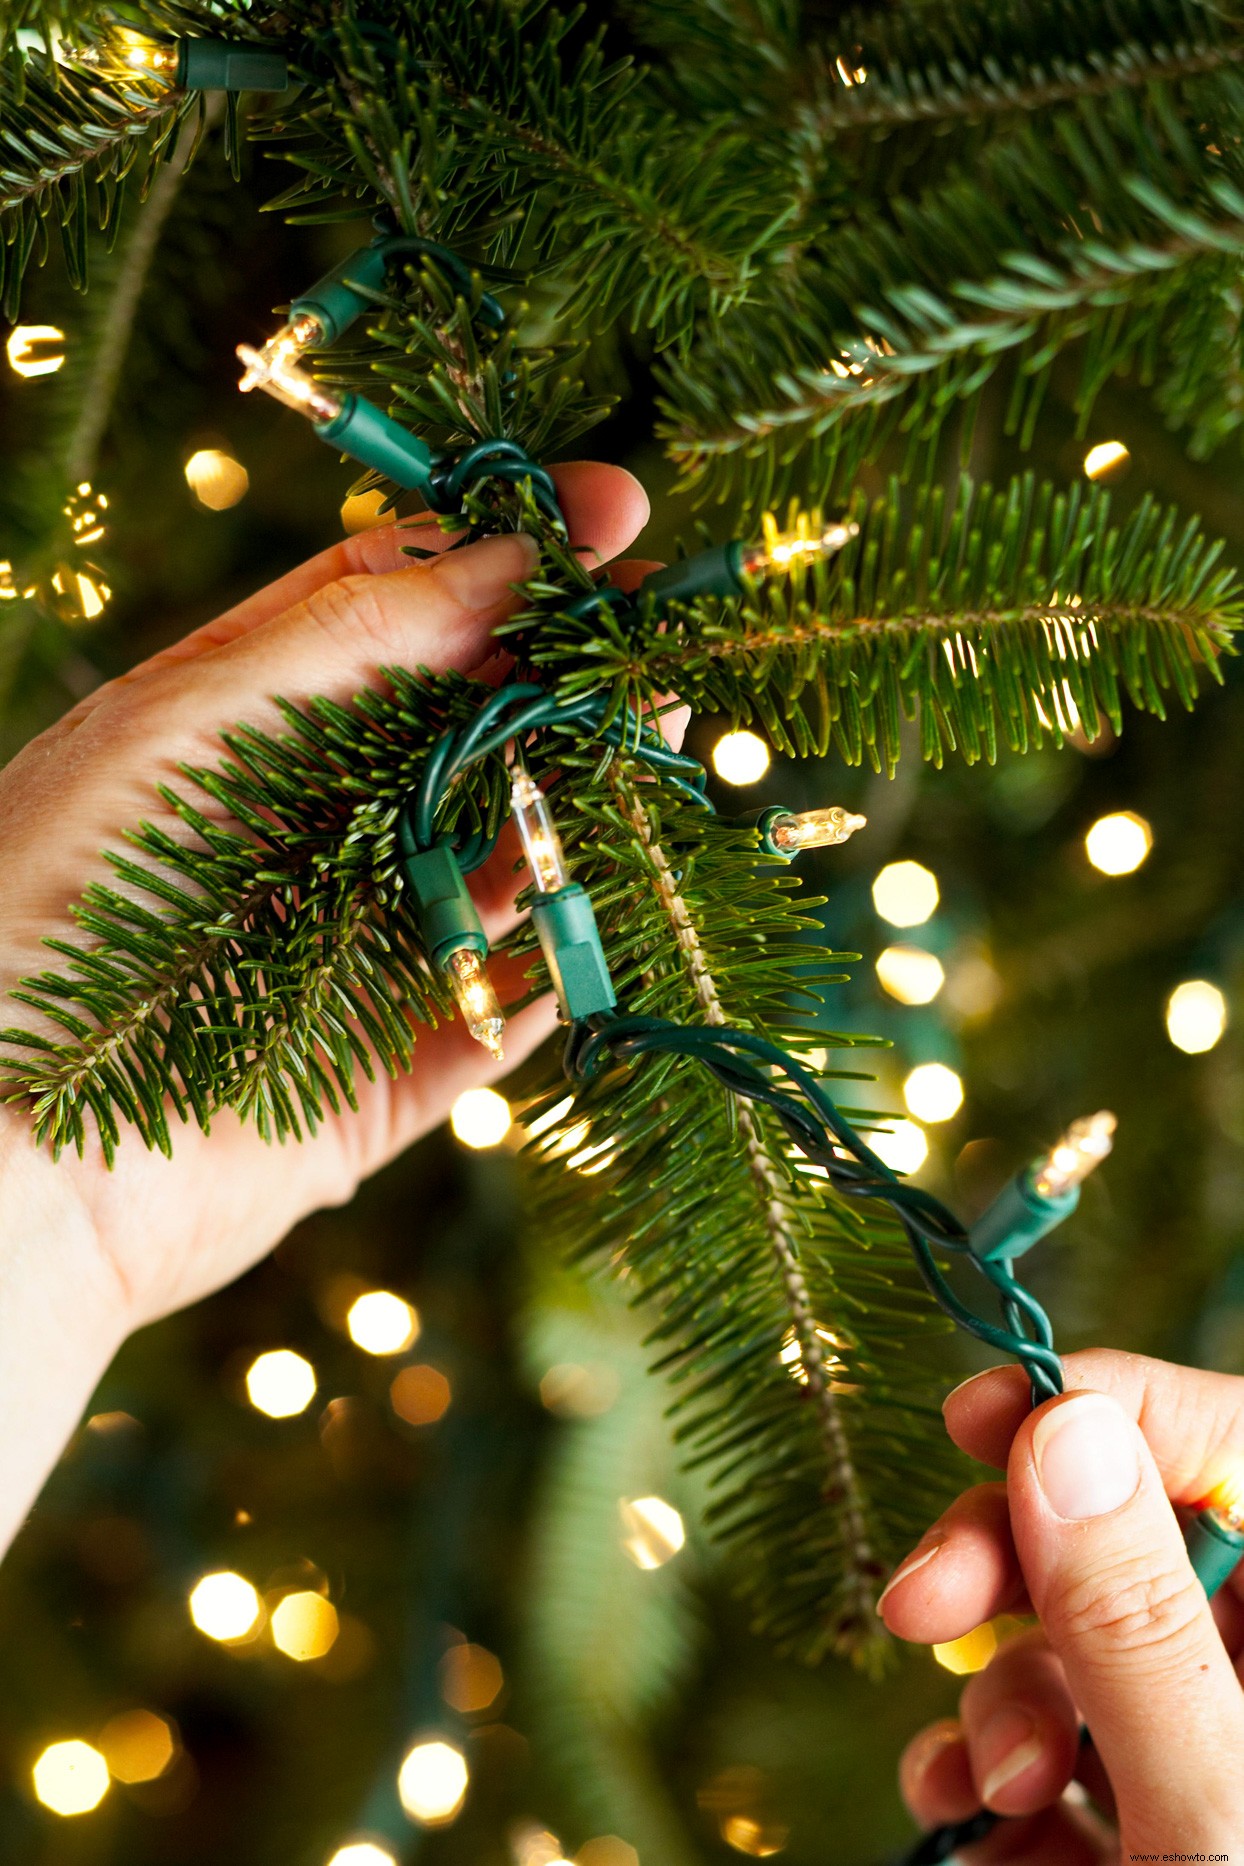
[[831, 291]]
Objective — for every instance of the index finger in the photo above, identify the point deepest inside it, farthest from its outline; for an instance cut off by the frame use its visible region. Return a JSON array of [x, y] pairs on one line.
[[605, 508], [1193, 1421]]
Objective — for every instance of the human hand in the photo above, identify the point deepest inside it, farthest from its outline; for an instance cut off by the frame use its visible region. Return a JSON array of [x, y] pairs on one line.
[[154, 1233], [1083, 1533]]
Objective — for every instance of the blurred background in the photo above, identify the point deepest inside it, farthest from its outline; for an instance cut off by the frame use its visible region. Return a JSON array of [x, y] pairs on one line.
[[401, 1502]]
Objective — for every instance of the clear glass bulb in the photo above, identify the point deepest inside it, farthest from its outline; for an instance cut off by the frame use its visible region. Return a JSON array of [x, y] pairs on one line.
[[473, 994], [788, 551], [301, 333], [289, 384], [124, 54], [538, 833], [797, 830], [1226, 1500], [1083, 1147]]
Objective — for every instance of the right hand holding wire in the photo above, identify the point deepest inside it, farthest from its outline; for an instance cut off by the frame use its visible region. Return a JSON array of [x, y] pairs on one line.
[[1083, 1533]]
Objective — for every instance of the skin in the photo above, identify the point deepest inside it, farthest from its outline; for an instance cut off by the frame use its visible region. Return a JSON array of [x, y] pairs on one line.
[[1127, 1642], [91, 1255]]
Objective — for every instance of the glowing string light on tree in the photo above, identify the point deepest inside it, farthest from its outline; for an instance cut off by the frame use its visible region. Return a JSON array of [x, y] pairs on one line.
[[133, 60]]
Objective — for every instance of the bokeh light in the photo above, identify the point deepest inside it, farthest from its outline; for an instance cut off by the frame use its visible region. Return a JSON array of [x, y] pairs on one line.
[[573, 1391], [759, 1839], [363, 511], [904, 1149], [652, 1530], [933, 1092], [607, 1850], [910, 974], [420, 1395], [304, 1626], [1196, 1016], [480, 1118], [216, 479], [35, 349], [432, 1782], [382, 1323], [280, 1383], [225, 1606], [971, 1653], [138, 1746], [740, 758], [471, 1679], [1117, 844], [1106, 460], [906, 894], [71, 1778], [362, 1853]]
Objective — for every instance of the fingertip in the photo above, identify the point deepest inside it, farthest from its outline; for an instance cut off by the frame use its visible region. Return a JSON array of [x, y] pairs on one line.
[[984, 1413], [605, 506], [935, 1775]]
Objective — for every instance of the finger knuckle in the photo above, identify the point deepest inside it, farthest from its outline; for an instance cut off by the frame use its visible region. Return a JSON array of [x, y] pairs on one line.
[[352, 613], [1129, 1607]]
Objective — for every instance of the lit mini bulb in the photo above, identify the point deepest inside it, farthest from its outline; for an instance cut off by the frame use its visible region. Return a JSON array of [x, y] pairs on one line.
[[787, 551], [123, 55], [1215, 1535], [1040, 1197], [473, 994], [301, 333], [790, 832], [538, 833], [281, 377], [1082, 1148]]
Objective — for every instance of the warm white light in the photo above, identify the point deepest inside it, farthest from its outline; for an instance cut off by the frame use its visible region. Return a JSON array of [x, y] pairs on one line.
[[32, 349], [71, 1778], [138, 1746], [281, 1383], [1196, 1016], [480, 1118], [1104, 460], [216, 479], [910, 974], [432, 1783], [225, 1606], [365, 511], [933, 1092], [905, 894], [970, 1653], [362, 1853], [305, 1626], [1117, 844], [382, 1323], [652, 1530], [471, 1679], [904, 1150], [740, 758]]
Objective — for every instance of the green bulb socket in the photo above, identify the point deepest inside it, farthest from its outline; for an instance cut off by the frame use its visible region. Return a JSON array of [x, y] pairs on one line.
[[1019, 1217], [570, 940], [367, 435], [718, 572], [221, 65], [443, 909], [336, 300], [763, 821], [1214, 1549]]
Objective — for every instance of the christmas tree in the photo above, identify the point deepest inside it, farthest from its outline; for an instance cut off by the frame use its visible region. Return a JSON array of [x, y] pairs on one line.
[[870, 297]]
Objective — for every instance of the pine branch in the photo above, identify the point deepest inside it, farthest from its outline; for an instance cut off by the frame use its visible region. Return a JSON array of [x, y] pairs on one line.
[[1033, 268], [773, 1309]]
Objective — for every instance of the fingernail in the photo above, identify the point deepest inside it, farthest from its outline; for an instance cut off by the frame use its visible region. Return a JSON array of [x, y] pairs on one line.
[[969, 1382], [917, 1559], [476, 576], [1086, 1456], [1011, 1737]]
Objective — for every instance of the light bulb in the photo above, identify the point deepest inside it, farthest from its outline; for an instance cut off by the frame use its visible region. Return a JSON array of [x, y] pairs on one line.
[[538, 834], [789, 551], [1083, 1147], [473, 994], [282, 378], [301, 333], [794, 831], [124, 55]]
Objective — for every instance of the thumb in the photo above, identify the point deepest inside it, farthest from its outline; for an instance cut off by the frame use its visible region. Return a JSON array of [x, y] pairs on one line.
[[1108, 1574]]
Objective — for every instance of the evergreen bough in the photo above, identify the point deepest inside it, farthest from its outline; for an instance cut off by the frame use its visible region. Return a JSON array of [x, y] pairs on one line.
[[842, 250]]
